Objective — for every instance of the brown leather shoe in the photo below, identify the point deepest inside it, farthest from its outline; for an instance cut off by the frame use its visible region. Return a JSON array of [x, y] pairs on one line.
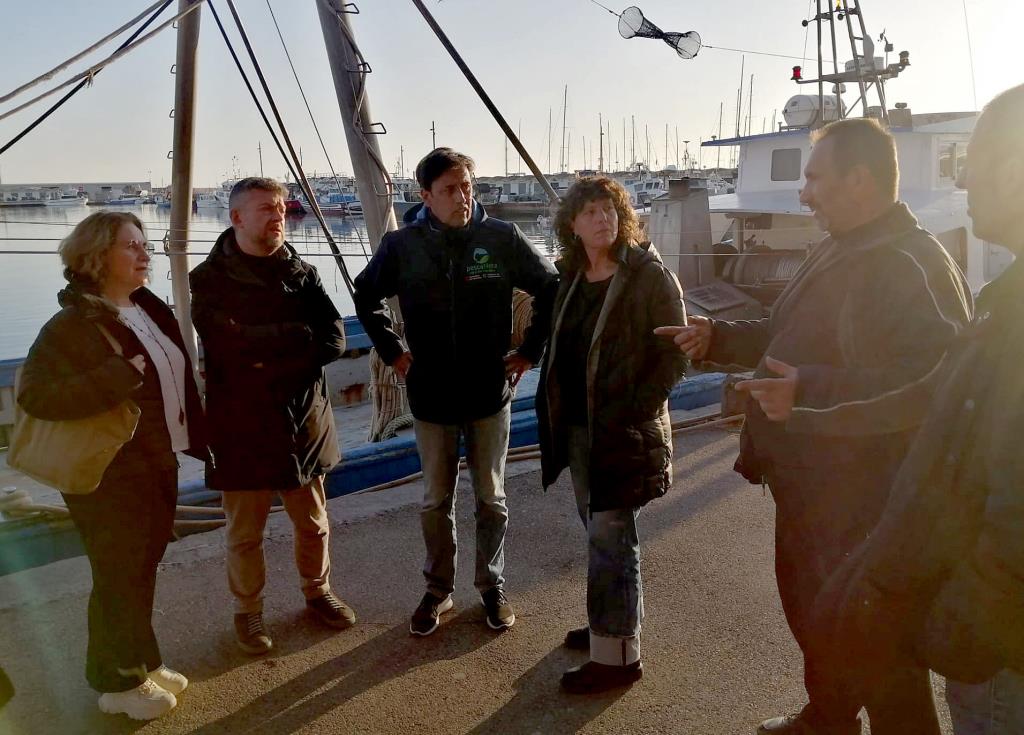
[[332, 611], [594, 678], [252, 635]]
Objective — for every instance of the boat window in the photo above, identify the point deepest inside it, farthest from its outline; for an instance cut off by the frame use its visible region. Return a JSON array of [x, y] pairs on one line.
[[786, 164], [951, 159]]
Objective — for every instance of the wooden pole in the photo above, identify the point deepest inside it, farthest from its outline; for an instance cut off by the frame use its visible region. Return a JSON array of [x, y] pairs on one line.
[[181, 172], [362, 142]]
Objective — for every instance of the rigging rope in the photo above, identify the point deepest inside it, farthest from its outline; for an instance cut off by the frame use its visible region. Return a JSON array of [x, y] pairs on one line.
[[59, 103], [723, 48], [761, 53], [63, 65], [301, 177], [149, 225], [807, 29], [89, 73], [606, 8], [252, 92], [302, 92]]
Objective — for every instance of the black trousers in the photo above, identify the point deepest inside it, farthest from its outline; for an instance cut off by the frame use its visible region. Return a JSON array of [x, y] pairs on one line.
[[821, 516], [6, 688], [125, 526]]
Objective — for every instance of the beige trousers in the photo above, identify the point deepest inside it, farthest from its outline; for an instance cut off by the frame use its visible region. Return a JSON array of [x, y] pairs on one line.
[[247, 512]]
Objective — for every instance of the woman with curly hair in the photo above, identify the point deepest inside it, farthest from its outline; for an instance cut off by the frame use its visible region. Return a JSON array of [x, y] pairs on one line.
[[73, 371], [602, 406]]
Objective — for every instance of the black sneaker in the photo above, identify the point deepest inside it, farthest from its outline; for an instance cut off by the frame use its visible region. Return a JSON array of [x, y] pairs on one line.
[[428, 615], [578, 639], [332, 611], [594, 678], [252, 636], [499, 611]]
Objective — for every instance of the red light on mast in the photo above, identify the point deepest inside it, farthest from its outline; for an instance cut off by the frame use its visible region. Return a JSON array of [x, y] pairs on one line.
[[797, 74]]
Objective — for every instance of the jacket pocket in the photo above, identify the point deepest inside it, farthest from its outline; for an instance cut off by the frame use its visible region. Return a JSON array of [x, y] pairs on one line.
[[656, 442]]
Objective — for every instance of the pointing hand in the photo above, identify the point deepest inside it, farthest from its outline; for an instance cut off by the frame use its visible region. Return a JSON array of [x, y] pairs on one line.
[[775, 395]]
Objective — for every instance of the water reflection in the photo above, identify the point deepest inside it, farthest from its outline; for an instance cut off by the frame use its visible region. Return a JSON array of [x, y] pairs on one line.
[[29, 282]]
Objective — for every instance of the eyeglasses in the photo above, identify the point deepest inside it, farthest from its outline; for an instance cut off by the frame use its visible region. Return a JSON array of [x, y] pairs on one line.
[[137, 246]]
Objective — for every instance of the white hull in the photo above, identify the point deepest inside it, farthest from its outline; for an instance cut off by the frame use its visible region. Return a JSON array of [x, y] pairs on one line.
[[209, 201], [771, 214]]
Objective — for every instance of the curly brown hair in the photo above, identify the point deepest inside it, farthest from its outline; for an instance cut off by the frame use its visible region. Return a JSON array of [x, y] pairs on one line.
[[84, 251], [584, 191]]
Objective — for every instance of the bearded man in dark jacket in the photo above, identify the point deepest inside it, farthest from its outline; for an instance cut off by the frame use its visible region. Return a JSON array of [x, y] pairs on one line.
[[942, 575], [845, 365], [453, 269], [268, 329]]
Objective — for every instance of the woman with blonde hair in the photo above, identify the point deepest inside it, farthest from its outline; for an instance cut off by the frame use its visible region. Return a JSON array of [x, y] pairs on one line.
[[73, 371], [602, 408]]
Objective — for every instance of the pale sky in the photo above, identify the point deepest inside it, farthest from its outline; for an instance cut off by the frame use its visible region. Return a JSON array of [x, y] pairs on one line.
[[522, 51]]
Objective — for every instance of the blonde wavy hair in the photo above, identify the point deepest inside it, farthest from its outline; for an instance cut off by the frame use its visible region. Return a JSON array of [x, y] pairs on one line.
[[84, 251], [580, 194]]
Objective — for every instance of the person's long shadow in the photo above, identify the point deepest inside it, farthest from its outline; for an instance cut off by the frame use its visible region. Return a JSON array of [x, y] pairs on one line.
[[387, 656], [539, 706]]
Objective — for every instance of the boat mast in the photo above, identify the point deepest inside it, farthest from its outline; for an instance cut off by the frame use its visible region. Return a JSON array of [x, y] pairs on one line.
[[498, 118], [360, 132], [562, 159], [821, 71], [750, 107], [181, 172], [721, 107], [864, 72], [549, 139]]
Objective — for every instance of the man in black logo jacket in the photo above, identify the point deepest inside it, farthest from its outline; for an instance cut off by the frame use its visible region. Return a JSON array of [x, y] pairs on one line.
[[453, 269]]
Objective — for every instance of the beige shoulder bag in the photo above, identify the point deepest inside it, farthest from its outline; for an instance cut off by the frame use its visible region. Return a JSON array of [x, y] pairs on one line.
[[71, 455]]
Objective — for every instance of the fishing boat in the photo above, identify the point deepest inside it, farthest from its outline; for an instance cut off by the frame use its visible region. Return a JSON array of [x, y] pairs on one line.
[[125, 200], [334, 203], [764, 218], [66, 199], [208, 200]]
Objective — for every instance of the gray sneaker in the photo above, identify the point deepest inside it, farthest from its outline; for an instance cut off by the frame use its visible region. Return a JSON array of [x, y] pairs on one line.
[[428, 615], [252, 635], [500, 615]]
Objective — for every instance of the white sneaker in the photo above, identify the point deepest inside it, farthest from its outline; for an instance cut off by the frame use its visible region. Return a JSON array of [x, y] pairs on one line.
[[169, 679], [145, 702]]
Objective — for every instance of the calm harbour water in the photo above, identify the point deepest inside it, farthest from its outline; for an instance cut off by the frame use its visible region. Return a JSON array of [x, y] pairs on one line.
[[29, 283]]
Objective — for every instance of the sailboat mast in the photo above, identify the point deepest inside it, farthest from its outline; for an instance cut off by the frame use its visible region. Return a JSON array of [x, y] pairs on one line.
[[721, 108], [549, 139], [563, 161]]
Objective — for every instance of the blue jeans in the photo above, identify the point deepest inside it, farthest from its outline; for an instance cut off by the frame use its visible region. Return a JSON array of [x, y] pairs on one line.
[[995, 707], [486, 446], [615, 598]]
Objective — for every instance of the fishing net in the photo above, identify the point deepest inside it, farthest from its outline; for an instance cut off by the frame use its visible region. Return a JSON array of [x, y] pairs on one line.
[[633, 24]]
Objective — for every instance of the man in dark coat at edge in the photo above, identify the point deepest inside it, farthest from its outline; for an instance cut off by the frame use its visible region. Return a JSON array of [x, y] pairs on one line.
[[453, 269], [942, 575], [268, 329], [844, 368]]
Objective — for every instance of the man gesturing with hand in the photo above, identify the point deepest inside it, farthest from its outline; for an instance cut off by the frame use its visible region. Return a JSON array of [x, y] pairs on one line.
[[844, 367], [774, 395]]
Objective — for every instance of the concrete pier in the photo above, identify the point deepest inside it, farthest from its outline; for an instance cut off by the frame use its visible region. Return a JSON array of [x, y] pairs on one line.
[[718, 656]]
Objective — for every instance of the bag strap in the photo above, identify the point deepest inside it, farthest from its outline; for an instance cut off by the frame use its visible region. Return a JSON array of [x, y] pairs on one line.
[[110, 338]]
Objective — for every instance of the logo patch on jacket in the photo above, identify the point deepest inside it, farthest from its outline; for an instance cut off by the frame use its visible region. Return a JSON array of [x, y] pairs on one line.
[[482, 269]]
